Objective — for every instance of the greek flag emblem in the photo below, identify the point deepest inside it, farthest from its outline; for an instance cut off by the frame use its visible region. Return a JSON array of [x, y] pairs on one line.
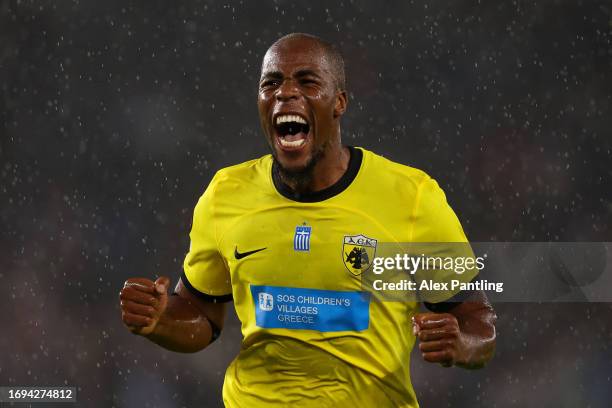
[[301, 240]]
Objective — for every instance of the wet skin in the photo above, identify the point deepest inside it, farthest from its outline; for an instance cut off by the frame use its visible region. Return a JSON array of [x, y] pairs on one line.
[[297, 79]]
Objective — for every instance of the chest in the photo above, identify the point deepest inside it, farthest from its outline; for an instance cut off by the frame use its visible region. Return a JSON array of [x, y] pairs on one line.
[[324, 247]]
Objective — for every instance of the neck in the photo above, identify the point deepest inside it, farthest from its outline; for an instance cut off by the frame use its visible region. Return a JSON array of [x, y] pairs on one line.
[[326, 172]]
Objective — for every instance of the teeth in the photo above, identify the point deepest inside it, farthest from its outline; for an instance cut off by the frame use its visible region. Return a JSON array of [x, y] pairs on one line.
[[295, 143], [290, 118]]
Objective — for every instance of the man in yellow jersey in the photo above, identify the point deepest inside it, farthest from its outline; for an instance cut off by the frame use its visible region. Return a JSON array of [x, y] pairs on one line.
[[281, 237]]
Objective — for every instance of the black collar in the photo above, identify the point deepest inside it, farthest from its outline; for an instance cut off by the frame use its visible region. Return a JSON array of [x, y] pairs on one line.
[[335, 189]]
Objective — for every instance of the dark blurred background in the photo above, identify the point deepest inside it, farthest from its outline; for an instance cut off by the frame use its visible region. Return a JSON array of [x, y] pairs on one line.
[[115, 115]]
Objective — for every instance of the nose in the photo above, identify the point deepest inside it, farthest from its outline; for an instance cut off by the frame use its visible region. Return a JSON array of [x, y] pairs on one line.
[[287, 90]]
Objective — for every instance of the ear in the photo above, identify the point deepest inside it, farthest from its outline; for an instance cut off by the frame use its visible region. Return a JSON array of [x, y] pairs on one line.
[[341, 102]]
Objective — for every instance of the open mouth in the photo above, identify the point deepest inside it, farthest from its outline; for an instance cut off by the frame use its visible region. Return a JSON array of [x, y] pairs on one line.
[[292, 131]]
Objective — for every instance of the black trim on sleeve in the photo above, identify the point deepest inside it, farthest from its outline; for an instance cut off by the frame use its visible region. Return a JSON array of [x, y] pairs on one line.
[[205, 297], [449, 304], [333, 190]]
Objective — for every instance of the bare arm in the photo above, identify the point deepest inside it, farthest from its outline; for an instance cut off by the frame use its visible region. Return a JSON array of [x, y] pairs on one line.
[[465, 336], [181, 322]]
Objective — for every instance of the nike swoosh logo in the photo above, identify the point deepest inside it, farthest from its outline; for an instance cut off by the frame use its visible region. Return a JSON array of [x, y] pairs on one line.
[[240, 255]]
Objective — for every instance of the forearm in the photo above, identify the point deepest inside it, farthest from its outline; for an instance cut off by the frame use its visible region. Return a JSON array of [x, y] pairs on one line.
[[478, 335], [182, 327]]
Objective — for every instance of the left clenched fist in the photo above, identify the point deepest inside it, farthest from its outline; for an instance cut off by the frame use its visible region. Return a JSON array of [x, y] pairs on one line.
[[440, 339]]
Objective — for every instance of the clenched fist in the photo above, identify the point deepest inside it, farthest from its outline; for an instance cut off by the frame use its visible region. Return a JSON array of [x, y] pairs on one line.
[[441, 340], [143, 302]]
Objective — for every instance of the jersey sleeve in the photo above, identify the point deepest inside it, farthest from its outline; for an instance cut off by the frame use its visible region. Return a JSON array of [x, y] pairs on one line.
[[205, 272], [438, 235], [433, 219]]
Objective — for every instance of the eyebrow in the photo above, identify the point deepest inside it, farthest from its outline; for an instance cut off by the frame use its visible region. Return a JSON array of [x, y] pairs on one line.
[[299, 74], [274, 74], [307, 72]]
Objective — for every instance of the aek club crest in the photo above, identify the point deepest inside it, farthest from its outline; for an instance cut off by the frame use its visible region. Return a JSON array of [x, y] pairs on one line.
[[358, 253]]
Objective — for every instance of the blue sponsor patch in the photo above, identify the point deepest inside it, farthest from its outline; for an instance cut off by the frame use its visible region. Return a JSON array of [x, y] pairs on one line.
[[278, 307]]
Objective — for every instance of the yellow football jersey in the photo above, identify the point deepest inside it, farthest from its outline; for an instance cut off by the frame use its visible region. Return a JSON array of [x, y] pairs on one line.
[[312, 337]]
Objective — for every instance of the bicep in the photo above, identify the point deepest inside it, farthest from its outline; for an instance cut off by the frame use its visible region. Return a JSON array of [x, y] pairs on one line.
[[464, 300], [214, 311]]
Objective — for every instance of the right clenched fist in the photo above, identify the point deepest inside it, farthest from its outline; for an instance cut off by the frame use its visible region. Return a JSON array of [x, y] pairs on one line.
[[142, 303]]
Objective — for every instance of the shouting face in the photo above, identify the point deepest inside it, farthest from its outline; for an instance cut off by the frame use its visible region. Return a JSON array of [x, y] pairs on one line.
[[299, 104]]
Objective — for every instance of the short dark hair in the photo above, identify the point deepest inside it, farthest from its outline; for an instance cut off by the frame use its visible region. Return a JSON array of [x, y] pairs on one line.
[[331, 52]]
